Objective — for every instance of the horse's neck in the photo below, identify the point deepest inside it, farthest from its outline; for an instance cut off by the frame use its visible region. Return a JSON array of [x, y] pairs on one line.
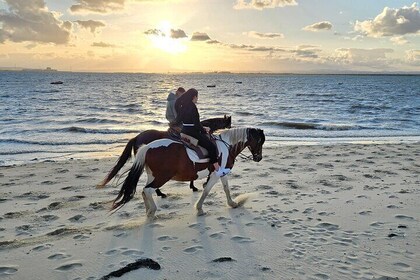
[[237, 142], [236, 149]]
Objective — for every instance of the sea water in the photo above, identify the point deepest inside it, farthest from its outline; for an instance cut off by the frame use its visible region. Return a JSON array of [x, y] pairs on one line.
[[97, 113]]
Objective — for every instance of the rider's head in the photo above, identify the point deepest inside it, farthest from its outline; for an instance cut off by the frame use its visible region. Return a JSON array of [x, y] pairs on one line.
[[180, 91], [190, 95]]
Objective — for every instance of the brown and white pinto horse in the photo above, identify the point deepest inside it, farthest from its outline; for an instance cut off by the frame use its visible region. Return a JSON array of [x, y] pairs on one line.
[[151, 135], [166, 160]]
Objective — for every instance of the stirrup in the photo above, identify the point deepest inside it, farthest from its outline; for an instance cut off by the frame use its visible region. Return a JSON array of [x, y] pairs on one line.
[[222, 172]]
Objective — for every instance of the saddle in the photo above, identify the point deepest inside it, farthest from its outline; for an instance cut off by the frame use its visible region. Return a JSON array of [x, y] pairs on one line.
[[195, 153], [192, 143]]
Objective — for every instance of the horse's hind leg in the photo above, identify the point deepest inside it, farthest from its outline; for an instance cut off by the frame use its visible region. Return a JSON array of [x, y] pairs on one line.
[[161, 194], [153, 183], [148, 200], [194, 189]]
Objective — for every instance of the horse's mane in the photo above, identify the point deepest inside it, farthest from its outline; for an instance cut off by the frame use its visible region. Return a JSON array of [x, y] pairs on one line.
[[234, 135]]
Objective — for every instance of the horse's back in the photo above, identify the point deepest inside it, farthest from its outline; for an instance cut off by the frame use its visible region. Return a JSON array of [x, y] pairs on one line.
[[149, 136]]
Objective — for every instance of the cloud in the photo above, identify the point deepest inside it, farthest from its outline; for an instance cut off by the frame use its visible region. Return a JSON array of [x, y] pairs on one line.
[[3, 35], [213, 42], [90, 24], [399, 40], [102, 45], [178, 34], [260, 35], [365, 57], [198, 36], [174, 33], [30, 20], [154, 32], [319, 26], [413, 57], [97, 6], [307, 51], [263, 4], [391, 22]]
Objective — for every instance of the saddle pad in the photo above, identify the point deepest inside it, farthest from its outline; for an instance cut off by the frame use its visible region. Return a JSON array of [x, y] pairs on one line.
[[166, 142]]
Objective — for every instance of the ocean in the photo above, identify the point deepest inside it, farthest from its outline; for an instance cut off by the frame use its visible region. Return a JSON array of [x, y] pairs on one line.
[[95, 114]]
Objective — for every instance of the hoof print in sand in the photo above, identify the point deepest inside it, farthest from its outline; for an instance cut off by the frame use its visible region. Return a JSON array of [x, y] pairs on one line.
[[7, 270], [193, 249], [77, 218], [69, 266]]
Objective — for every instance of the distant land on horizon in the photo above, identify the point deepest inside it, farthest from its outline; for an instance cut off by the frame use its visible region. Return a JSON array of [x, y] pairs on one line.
[[320, 72]]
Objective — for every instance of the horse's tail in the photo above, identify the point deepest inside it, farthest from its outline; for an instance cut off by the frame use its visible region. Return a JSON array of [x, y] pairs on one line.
[[126, 155], [128, 188]]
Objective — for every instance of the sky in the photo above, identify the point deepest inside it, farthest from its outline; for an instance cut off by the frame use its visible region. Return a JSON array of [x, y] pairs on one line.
[[282, 36]]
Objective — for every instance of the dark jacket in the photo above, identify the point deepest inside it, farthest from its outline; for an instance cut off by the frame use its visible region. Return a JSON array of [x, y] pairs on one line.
[[188, 114]]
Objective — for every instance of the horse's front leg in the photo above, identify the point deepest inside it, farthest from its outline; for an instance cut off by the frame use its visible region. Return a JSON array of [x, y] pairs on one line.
[[230, 201], [199, 205]]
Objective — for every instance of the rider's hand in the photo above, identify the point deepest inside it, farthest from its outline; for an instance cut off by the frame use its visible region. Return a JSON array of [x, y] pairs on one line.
[[207, 129]]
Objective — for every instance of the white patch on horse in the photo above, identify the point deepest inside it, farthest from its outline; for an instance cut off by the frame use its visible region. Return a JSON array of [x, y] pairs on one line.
[[150, 177], [162, 143], [203, 173], [223, 152], [194, 157]]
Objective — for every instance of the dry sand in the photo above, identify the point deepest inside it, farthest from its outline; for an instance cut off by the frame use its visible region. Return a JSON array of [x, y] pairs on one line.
[[313, 212]]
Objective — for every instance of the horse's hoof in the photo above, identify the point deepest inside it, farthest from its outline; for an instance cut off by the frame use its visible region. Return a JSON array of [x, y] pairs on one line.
[[161, 194], [150, 219], [100, 185], [201, 212], [234, 205], [194, 189], [150, 213]]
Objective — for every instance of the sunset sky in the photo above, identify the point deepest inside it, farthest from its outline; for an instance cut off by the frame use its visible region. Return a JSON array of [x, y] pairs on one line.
[[211, 35]]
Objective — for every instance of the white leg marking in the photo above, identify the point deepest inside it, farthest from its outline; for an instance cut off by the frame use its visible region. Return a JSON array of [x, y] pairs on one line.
[[148, 192], [225, 183], [146, 202], [199, 205]]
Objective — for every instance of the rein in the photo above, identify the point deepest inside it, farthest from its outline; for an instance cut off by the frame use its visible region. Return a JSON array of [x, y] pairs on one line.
[[228, 146]]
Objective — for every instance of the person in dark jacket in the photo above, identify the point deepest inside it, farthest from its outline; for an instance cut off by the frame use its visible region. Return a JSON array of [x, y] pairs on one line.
[[187, 114], [170, 105]]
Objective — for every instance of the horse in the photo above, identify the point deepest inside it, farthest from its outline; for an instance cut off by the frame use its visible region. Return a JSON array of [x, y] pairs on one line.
[[151, 135], [167, 159]]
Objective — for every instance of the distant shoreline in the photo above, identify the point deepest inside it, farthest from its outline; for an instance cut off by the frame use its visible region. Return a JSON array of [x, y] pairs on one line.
[[220, 73]]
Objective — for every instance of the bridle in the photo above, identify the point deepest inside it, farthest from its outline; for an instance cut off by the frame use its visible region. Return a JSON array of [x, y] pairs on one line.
[[241, 154]]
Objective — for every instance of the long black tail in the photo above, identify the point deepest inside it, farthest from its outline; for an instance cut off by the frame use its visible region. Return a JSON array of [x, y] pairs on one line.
[[128, 188], [126, 155]]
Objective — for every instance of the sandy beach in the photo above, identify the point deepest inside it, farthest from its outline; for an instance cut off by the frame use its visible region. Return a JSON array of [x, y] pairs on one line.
[[348, 211]]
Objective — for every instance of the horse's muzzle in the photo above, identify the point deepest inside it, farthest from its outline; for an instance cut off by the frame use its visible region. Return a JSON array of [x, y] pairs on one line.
[[257, 158]]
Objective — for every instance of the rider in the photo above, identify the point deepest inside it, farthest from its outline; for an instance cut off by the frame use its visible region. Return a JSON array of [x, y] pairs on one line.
[[187, 113], [170, 108]]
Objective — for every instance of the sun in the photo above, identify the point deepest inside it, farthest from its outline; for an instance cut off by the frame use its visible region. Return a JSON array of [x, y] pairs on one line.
[[164, 41]]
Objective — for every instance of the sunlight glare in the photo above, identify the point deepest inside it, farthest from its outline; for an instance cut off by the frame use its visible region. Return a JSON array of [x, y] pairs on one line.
[[164, 41]]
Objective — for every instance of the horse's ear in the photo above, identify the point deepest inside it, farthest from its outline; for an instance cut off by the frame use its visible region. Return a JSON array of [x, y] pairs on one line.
[[225, 117]]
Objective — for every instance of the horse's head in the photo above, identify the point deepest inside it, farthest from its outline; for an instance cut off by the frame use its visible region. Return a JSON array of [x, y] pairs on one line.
[[255, 141], [227, 121]]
